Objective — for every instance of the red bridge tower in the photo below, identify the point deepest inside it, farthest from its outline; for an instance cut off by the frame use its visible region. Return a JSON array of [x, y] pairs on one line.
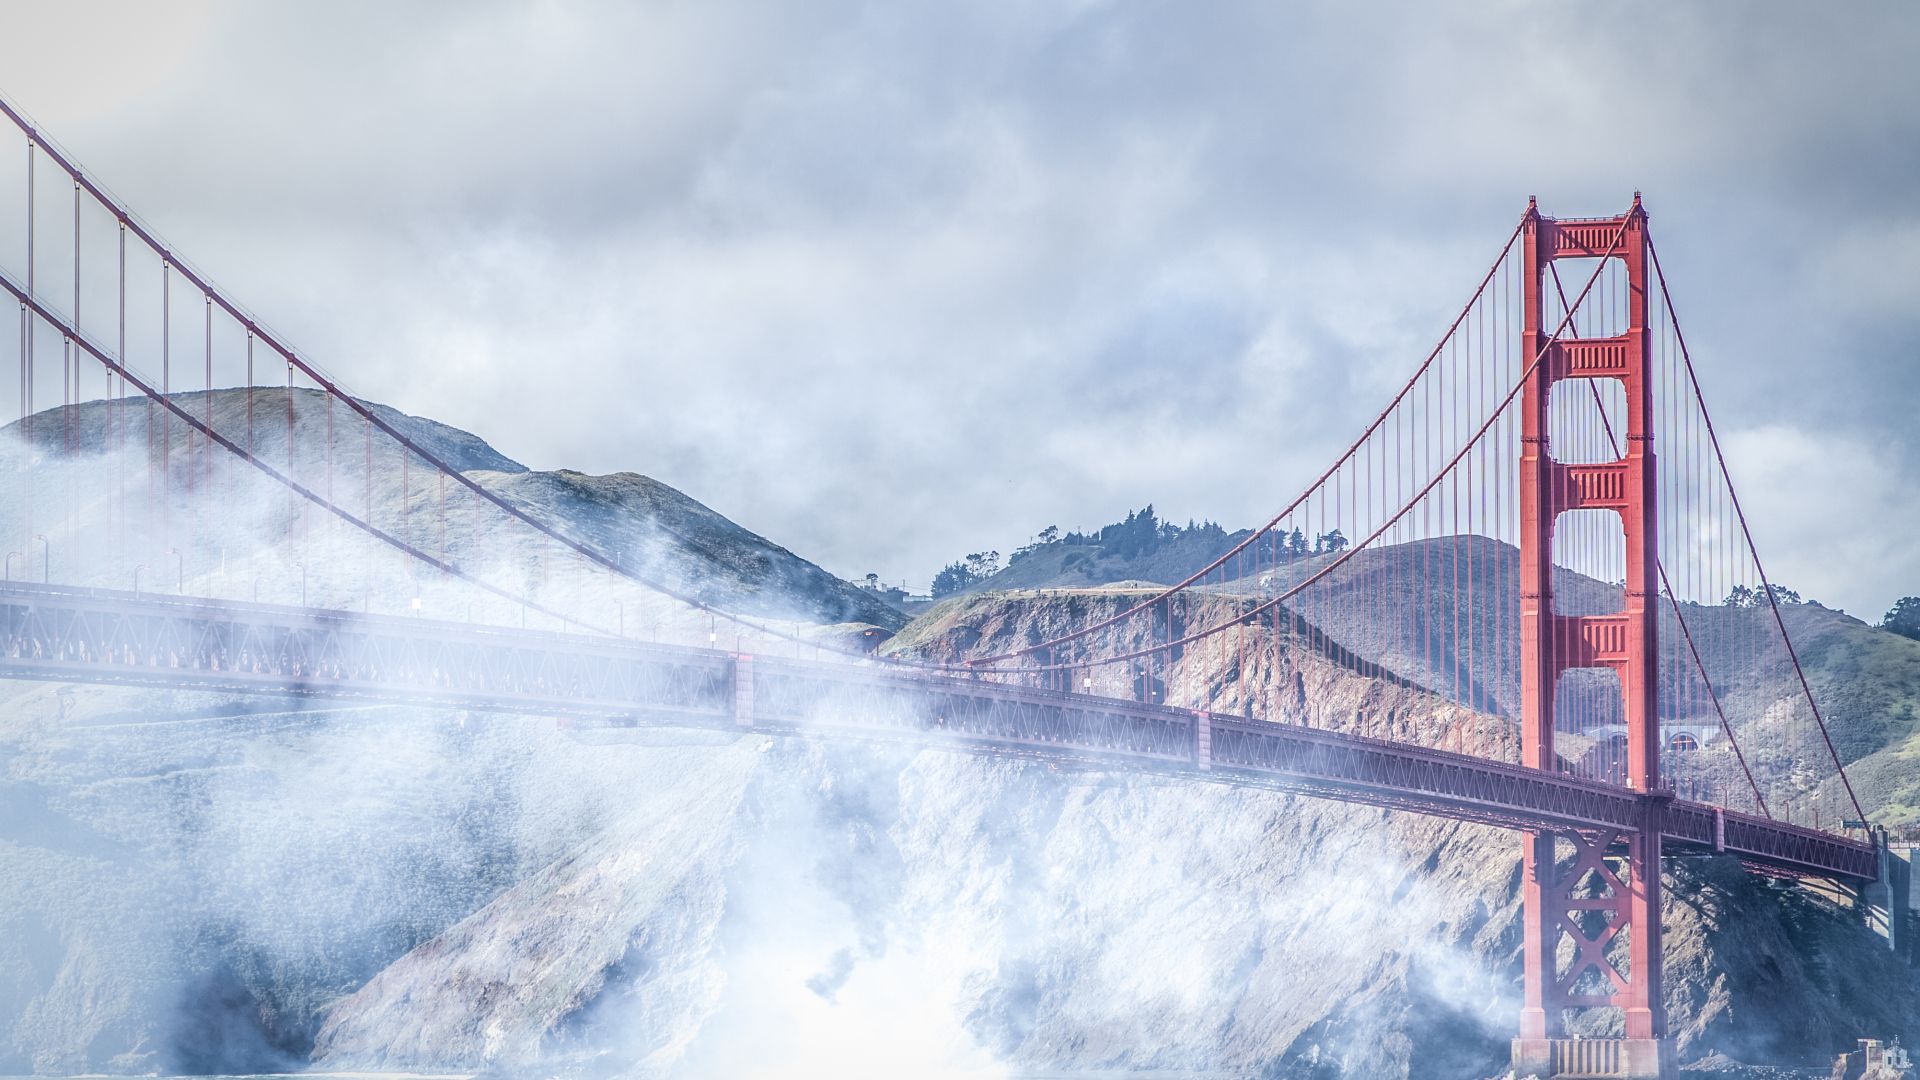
[[1611, 885]]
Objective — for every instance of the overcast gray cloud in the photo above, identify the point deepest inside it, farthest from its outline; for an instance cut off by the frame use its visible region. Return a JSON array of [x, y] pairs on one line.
[[890, 281]]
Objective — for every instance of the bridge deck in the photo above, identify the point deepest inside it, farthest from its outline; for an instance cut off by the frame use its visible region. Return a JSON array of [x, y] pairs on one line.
[[144, 639]]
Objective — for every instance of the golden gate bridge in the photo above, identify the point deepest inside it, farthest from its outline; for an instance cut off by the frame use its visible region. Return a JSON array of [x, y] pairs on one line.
[[1537, 539]]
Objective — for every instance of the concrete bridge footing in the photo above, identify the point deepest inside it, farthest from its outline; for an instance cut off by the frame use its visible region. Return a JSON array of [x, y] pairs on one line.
[[1626, 1059]]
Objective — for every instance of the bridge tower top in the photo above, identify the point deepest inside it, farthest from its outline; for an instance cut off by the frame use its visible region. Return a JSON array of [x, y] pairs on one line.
[[1622, 641]]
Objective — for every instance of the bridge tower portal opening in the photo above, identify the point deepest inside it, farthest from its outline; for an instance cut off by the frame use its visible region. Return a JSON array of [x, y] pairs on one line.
[[1605, 898]]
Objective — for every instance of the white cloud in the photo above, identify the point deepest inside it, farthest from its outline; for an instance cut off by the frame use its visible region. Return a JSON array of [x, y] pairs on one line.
[[1829, 511], [891, 282]]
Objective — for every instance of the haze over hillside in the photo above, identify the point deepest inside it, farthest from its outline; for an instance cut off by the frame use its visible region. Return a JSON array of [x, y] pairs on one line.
[[216, 509]]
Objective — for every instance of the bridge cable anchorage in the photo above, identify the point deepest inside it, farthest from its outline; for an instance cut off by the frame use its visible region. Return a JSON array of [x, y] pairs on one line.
[[334, 390], [1346, 554], [1667, 587], [1773, 602], [1266, 529]]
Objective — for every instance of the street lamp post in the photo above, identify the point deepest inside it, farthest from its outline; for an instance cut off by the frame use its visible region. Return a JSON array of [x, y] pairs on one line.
[[11, 555], [136, 576], [46, 556]]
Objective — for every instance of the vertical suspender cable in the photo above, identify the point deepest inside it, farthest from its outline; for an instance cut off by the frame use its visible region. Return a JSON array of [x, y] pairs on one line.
[[207, 404], [26, 341], [70, 366], [166, 388], [116, 390]]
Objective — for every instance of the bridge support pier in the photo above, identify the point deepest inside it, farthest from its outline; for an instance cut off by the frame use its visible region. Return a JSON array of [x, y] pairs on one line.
[[1887, 901], [1607, 887], [1628, 1059]]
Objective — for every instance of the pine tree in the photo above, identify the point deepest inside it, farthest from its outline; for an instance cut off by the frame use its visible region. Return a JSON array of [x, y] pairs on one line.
[[1903, 617]]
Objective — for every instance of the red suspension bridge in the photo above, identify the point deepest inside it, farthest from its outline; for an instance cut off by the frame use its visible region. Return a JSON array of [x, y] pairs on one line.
[[1531, 568]]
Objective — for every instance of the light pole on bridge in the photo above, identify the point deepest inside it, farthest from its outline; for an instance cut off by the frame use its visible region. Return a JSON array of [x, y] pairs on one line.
[[11, 555], [46, 559], [136, 576]]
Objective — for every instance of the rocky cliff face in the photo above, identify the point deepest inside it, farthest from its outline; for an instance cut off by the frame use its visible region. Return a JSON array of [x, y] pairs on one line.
[[942, 913]]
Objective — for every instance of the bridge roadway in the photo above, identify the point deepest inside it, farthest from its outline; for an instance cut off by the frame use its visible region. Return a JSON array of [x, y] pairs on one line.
[[77, 635]]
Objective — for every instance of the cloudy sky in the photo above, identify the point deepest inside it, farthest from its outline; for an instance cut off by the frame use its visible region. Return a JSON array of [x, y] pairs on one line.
[[890, 282]]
